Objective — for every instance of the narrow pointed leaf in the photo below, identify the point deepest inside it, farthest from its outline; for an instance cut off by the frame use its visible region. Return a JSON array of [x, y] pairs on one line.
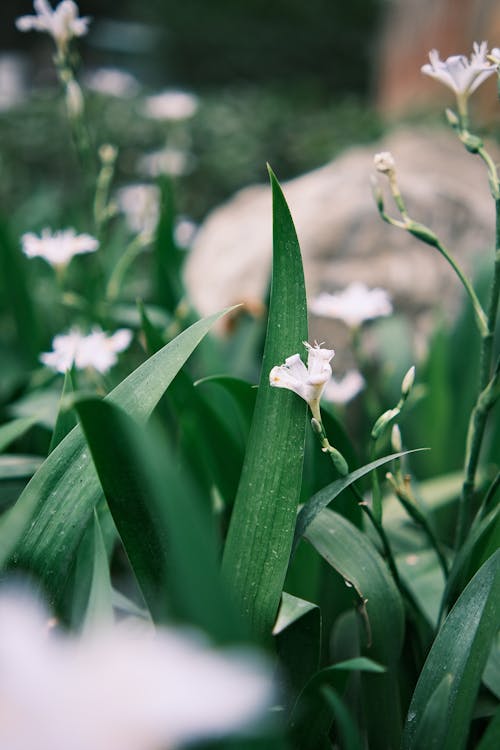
[[14, 430], [461, 650], [100, 605], [66, 418], [261, 529], [167, 534]]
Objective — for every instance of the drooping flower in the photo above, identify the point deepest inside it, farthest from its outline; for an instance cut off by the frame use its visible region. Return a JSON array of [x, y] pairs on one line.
[[171, 105], [461, 75], [356, 304], [59, 247], [307, 382], [118, 687], [62, 22], [345, 389], [96, 350]]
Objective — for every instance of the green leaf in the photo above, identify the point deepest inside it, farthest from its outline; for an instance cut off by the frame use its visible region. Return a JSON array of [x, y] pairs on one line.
[[491, 738], [324, 497], [432, 728], [100, 603], [260, 534], [491, 674], [66, 418], [14, 430], [379, 603], [13, 267], [48, 521], [298, 639], [461, 649], [346, 727], [175, 556]]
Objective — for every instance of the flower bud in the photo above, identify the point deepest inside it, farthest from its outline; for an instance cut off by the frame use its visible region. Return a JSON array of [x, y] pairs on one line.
[[339, 461], [423, 233], [408, 381], [384, 162], [383, 422], [396, 439], [74, 99], [452, 118]]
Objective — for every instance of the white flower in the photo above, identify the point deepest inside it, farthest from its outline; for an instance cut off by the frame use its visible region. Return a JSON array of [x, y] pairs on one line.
[[96, 350], [461, 75], [118, 687], [344, 390], [171, 161], [307, 382], [354, 305], [171, 105], [59, 247], [112, 82], [141, 205], [494, 56], [384, 162], [62, 23], [184, 232]]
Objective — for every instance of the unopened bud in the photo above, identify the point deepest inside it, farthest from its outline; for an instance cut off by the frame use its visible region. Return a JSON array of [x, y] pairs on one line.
[[408, 381], [377, 193], [471, 142], [339, 461], [396, 439], [423, 233], [74, 99], [452, 118], [108, 153], [383, 422], [316, 425]]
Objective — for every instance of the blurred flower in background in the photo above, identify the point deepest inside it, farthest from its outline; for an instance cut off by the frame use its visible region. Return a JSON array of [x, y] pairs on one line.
[[96, 350], [112, 82], [122, 687], [345, 389], [171, 105], [170, 161], [58, 248], [140, 203], [354, 305]]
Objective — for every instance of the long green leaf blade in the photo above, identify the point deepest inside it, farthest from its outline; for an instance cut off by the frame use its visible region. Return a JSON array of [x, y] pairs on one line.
[[50, 517], [460, 650], [261, 530]]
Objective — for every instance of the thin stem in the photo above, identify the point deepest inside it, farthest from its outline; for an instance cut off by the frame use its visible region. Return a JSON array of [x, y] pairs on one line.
[[130, 253]]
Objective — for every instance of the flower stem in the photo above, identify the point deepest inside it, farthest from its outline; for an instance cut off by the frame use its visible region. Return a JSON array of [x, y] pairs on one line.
[[486, 396]]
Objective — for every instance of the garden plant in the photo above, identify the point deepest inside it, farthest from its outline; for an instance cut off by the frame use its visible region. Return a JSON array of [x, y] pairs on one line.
[[189, 557]]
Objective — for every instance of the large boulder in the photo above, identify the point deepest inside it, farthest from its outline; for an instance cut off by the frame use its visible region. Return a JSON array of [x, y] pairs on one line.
[[341, 235]]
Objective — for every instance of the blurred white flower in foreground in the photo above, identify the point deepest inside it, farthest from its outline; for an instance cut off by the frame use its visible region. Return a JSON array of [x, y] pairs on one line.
[[354, 305], [141, 205], [96, 350], [345, 389], [171, 161], [461, 75], [118, 687], [62, 23], [170, 105], [307, 382], [59, 247], [112, 82]]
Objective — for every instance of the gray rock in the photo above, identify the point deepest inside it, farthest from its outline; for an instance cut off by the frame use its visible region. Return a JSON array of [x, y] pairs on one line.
[[342, 237]]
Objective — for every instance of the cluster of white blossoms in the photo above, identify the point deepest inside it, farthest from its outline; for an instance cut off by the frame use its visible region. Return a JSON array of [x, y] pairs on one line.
[[62, 23], [58, 248], [96, 350], [354, 305], [121, 687], [170, 105], [461, 75]]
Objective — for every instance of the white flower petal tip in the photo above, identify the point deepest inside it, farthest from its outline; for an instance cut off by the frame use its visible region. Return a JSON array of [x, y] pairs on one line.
[[62, 23], [344, 390], [461, 75], [307, 382], [354, 305], [160, 688], [58, 248], [96, 350], [384, 162]]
